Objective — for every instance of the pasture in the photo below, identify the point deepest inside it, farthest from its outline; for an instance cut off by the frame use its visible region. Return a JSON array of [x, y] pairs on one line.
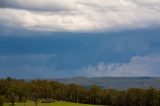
[[61, 103]]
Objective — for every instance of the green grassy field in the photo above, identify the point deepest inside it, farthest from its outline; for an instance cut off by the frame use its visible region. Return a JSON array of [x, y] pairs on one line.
[[49, 104]]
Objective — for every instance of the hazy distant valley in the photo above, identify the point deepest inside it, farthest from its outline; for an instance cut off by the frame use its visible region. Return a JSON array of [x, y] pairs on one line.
[[115, 82]]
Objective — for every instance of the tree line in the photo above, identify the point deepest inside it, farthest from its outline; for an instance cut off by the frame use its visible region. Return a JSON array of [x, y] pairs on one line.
[[12, 90]]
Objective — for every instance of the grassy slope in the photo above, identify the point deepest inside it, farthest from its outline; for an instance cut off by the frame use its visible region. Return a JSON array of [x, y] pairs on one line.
[[49, 104]]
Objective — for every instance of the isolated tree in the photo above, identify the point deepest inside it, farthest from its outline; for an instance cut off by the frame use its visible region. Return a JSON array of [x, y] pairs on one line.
[[2, 100], [12, 98], [12, 92], [36, 91]]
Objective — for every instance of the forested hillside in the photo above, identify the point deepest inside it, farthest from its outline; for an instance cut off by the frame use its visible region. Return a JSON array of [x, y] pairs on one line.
[[12, 90]]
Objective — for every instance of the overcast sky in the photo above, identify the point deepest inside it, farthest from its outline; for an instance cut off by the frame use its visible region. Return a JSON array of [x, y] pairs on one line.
[[91, 38]]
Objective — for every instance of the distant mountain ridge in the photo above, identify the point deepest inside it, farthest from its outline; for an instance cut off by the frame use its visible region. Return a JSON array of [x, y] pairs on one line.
[[114, 82]]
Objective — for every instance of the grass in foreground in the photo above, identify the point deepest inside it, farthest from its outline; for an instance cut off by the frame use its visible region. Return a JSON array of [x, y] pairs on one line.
[[49, 104]]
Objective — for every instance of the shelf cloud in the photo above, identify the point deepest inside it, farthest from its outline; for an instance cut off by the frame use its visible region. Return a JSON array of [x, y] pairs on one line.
[[79, 15]]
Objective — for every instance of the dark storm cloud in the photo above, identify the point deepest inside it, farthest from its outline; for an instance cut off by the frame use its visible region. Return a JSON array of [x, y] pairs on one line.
[[36, 5]]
